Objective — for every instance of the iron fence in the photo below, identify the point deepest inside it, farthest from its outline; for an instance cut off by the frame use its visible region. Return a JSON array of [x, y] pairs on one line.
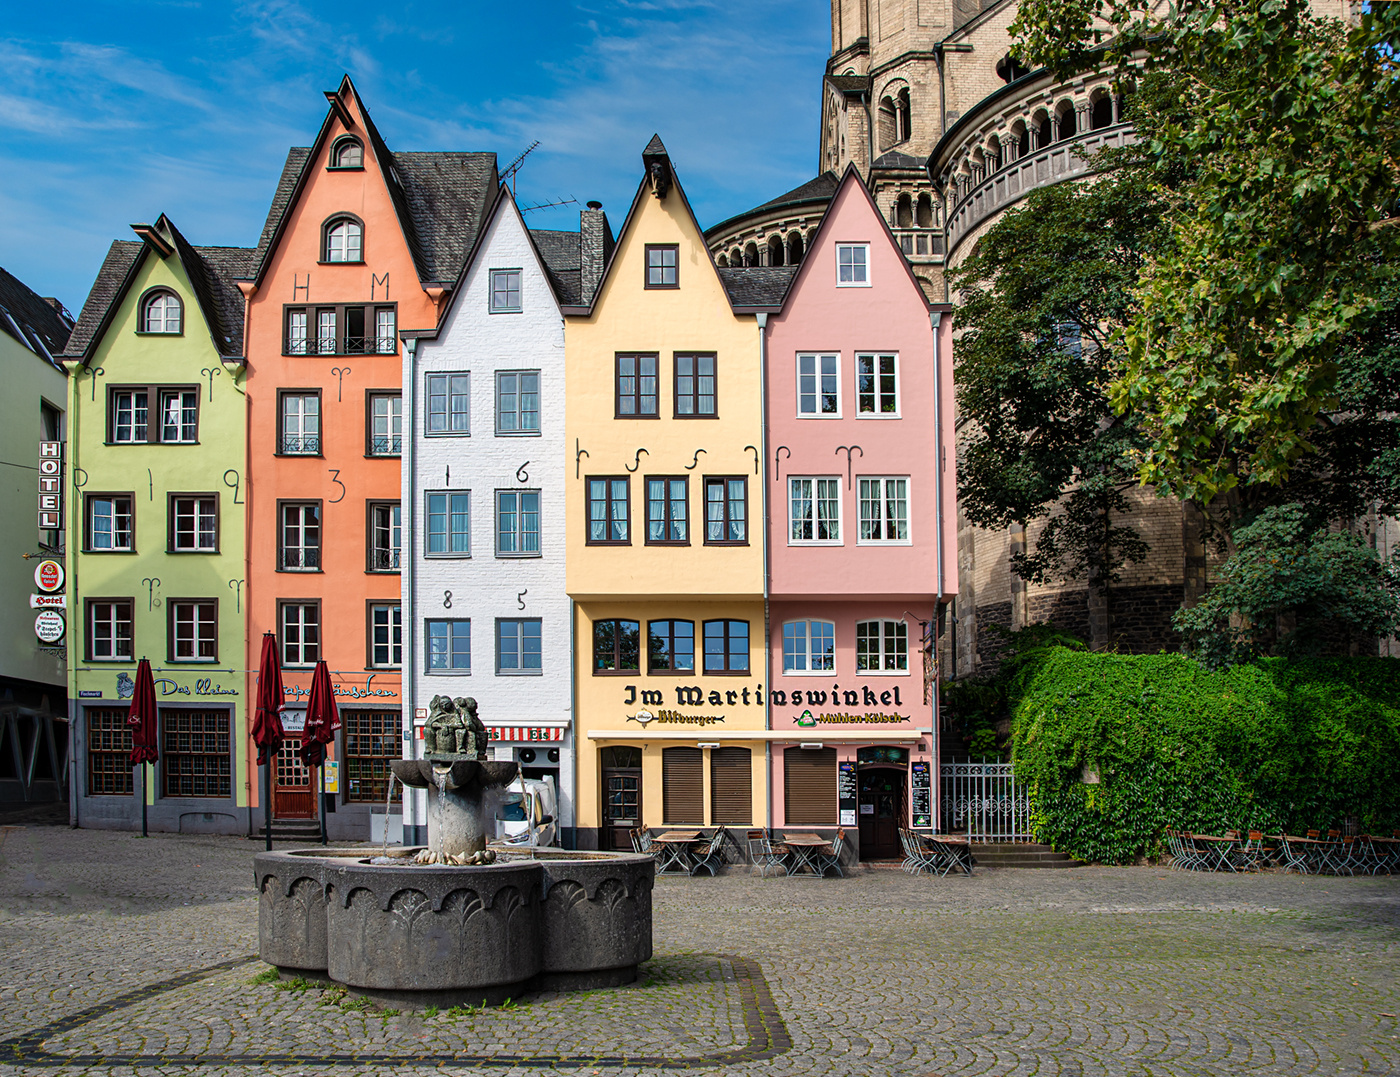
[[984, 800]]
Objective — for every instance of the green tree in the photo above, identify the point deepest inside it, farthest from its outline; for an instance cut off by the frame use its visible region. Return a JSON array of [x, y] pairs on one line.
[[1282, 234], [1291, 590], [1043, 298]]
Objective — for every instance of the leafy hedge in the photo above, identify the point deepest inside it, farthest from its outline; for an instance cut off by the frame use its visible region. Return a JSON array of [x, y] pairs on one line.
[[1273, 745]]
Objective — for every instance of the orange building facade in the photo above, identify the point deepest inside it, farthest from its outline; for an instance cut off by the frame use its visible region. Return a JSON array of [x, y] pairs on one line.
[[360, 244]]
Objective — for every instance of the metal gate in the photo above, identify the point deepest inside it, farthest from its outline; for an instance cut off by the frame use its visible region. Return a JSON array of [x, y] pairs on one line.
[[984, 800]]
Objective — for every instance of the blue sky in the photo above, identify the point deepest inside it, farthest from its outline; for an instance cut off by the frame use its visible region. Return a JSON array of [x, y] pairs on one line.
[[114, 112]]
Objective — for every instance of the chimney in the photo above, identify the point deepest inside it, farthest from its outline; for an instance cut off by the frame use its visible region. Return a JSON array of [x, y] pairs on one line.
[[595, 247]]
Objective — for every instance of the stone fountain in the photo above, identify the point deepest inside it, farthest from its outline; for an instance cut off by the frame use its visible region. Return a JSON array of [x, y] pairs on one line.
[[456, 922]]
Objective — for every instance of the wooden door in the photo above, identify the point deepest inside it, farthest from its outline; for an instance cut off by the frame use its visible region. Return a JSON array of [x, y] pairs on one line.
[[880, 812], [622, 806], [291, 795]]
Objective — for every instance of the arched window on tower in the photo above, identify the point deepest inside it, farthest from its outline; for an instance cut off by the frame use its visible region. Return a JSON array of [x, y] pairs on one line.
[[751, 254], [888, 124], [1044, 134], [775, 250], [904, 212], [794, 248], [1100, 109], [1019, 142], [923, 212], [993, 154], [722, 260], [904, 115], [1065, 126], [736, 257]]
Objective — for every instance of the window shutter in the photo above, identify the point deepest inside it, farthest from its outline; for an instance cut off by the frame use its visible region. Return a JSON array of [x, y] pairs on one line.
[[809, 786], [682, 789], [731, 786]]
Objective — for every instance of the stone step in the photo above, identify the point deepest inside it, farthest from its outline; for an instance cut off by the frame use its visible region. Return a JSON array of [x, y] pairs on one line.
[[291, 830], [1020, 855]]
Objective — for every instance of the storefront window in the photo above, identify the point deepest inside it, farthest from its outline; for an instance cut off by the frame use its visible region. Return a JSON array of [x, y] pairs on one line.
[[109, 752], [195, 758], [372, 739], [882, 646]]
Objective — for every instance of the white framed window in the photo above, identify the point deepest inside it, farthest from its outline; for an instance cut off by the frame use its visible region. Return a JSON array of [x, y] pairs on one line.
[[518, 650], [296, 332], [195, 631], [853, 265], [347, 153], [385, 536], [819, 385], [299, 538], [129, 417], [301, 633], [385, 424], [345, 241], [505, 291], [518, 402], [179, 411], [449, 520], [449, 403], [449, 644], [882, 647], [385, 337], [109, 525], [814, 510], [326, 338], [109, 631], [194, 524], [877, 386], [162, 313], [884, 510], [301, 424], [809, 647], [385, 636], [517, 523]]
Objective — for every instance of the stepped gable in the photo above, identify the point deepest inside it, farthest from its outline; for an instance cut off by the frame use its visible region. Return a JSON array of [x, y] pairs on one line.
[[33, 314]]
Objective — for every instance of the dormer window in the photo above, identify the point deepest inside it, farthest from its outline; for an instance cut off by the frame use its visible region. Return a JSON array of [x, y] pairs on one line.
[[345, 238], [162, 312], [347, 153]]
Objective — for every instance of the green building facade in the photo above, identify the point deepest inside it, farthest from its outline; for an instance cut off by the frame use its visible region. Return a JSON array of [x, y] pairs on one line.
[[156, 468]]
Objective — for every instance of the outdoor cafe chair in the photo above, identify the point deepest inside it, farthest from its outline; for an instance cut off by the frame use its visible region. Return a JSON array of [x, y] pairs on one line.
[[831, 856], [641, 841], [1297, 855], [764, 855], [919, 858], [955, 855], [709, 856]]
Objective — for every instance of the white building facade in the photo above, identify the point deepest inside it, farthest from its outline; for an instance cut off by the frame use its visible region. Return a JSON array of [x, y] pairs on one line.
[[486, 615]]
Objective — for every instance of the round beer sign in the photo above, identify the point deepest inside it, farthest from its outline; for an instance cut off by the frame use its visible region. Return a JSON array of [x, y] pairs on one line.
[[49, 626], [48, 575]]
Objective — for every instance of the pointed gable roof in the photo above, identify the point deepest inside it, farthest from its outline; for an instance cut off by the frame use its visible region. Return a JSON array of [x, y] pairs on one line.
[[658, 178], [212, 273], [440, 198]]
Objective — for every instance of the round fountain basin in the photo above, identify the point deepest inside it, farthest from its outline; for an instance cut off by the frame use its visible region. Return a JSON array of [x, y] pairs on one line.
[[427, 934]]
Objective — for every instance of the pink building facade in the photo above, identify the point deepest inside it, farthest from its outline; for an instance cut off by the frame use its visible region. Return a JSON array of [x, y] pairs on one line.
[[862, 533]]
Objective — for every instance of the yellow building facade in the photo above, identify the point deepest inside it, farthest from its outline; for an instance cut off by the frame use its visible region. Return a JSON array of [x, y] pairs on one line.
[[665, 518]]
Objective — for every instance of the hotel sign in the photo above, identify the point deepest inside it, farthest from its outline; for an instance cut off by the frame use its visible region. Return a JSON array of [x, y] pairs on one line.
[[50, 486]]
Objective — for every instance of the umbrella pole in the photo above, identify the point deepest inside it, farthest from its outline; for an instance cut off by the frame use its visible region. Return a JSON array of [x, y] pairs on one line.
[[321, 807], [144, 833], [267, 799]]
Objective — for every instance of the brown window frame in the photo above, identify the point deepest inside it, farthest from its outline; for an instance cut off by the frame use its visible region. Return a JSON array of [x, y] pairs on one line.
[[154, 292], [170, 499], [130, 495], [588, 538], [370, 604], [313, 337], [331, 166], [170, 755], [88, 603], [748, 522], [636, 395], [647, 266], [283, 603], [370, 548], [371, 395], [171, 611], [616, 671], [328, 224], [154, 425], [281, 446], [390, 740], [120, 773], [726, 671], [666, 519], [694, 394], [658, 671], [286, 502]]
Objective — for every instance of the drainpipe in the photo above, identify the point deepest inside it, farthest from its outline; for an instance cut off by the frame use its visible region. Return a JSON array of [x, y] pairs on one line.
[[767, 565], [408, 619], [573, 723], [71, 566], [936, 322]]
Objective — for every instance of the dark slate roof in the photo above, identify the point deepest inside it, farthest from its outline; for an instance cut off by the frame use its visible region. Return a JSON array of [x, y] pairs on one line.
[[818, 189], [110, 278], [282, 197], [850, 83], [756, 286], [655, 148], [212, 272], [33, 314], [895, 159], [560, 251]]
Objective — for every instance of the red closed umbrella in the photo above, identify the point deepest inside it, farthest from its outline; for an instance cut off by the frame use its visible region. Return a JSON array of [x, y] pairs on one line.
[[141, 719], [268, 733], [322, 724]]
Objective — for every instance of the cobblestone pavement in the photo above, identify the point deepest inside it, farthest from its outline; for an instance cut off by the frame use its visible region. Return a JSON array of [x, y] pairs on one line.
[[122, 956]]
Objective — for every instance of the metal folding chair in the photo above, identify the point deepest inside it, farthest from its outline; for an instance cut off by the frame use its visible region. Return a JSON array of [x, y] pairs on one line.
[[955, 855], [831, 858], [763, 855], [709, 857]]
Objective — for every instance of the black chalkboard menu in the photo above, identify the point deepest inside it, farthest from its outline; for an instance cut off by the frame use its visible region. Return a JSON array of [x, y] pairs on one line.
[[922, 791], [846, 793]]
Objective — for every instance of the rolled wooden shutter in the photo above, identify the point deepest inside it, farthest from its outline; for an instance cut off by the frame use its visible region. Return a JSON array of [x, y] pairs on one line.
[[731, 786], [682, 788], [809, 786]]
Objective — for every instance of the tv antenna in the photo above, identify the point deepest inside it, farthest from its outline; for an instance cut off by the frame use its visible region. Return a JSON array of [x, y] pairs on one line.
[[508, 175], [550, 205]]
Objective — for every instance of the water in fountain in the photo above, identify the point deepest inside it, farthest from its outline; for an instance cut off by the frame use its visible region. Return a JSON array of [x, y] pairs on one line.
[[388, 800]]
